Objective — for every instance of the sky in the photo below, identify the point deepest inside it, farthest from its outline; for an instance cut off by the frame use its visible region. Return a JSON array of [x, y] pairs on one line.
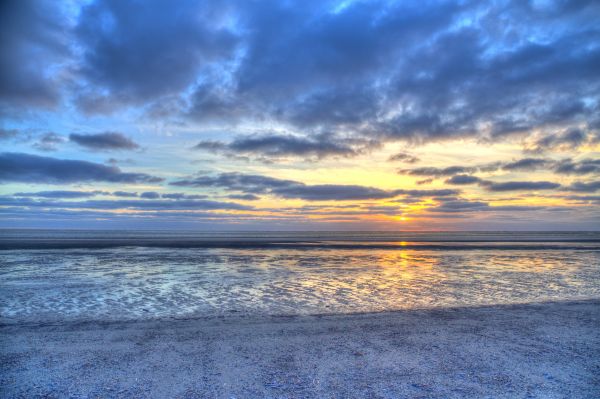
[[300, 115]]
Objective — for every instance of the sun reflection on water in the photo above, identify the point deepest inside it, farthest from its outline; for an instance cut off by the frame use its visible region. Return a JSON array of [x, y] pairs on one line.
[[142, 282]]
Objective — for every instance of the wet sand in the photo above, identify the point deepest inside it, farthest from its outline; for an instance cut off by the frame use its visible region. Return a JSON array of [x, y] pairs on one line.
[[549, 350]]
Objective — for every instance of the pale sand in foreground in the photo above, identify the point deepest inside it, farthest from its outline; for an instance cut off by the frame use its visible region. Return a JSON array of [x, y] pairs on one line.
[[543, 350]]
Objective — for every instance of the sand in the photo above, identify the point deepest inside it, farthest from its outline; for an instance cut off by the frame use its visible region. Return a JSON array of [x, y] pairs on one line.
[[549, 350]]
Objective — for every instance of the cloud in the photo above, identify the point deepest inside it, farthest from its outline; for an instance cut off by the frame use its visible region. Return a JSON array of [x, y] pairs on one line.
[[48, 142], [128, 219], [331, 192], [457, 205], [179, 196], [323, 72], [585, 187], [502, 186], [464, 206], [520, 185], [569, 139], [62, 194], [463, 180], [425, 181], [150, 195], [114, 161], [211, 102], [526, 164], [244, 197], [138, 52], [309, 79], [172, 196], [459, 173], [437, 172], [403, 157], [586, 199], [33, 41], [377, 71], [107, 141], [257, 184], [278, 145], [583, 167], [320, 67], [7, 134], [125, 204], [124, 194], [29, 168], [428, 193]]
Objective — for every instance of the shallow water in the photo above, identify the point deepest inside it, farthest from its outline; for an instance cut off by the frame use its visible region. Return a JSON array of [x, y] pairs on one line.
[[120, 283]]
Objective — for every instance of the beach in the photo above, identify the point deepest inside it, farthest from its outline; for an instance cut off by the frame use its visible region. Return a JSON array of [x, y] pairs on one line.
[[544, 350], [299, 315]]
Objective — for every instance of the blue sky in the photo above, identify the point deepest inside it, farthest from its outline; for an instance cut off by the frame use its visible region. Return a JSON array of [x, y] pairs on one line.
[[310, 115]]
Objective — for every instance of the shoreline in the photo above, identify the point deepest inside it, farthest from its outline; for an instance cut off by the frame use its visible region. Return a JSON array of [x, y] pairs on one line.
[[573, 245], [240, 317], [549, 349]]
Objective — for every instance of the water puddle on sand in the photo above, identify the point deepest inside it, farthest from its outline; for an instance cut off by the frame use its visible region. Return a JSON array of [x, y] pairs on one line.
[[139, 283]]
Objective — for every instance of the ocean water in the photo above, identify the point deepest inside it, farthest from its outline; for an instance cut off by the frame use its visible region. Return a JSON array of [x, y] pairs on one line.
[[50, 276]]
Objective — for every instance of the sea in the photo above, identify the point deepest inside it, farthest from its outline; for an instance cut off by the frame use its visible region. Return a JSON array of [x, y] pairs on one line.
[[75, 275]]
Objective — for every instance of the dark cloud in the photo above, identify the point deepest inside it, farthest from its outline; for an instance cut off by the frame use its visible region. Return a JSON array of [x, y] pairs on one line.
[[376, 71], [465, 206], [7, 134], [520, 185], [48, 142], [106, 141], [211, 103], [438, 172], [569, 139], [526, 164], [460, 174], [257, 184], [585, 187], [179, 196], [463, 180], [425, 181], [32, 39], [458, 205], [277, 145], [114, 161], [403, 157], [333, 107], [150, 195], [124, 194], [583, 167], [138, 52], [125, 204], [244, 197], [29, 168], [61, 194], [454, 70], [428, 193], [90, 216], [586, 199], [320, 68], [331, 192]]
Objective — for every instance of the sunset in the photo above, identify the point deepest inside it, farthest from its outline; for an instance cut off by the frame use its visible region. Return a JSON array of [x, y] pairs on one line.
[[319, 116], [250, 160]]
